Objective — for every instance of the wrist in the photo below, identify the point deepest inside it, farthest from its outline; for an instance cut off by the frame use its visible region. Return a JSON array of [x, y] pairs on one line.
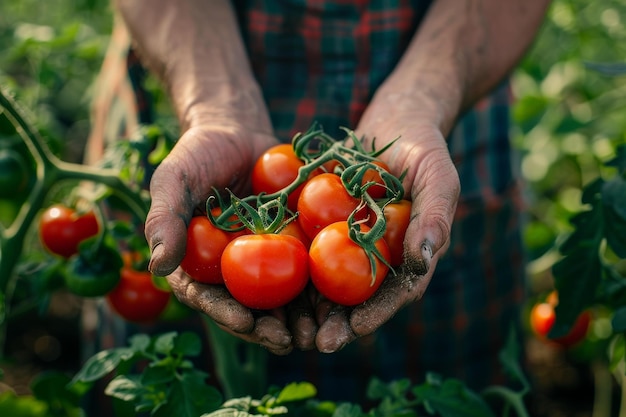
[[219, 101]]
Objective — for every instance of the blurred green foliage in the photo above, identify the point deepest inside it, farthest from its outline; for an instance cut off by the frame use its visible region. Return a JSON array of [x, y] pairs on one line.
[[568, 116], [569, 112], [49, 54]]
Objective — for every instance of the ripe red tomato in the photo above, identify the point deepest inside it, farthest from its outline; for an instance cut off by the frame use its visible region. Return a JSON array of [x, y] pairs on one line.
[[324, 200], [275, 169], [205, 244], [398, 216], [136, 298], [294, 229], [61, 229], [340, 268], [542, 318], [372, 175], [265, 271]]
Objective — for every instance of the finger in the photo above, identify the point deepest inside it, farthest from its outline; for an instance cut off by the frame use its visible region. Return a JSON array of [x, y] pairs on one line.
[[335, 331], [268, 332], [213, 300], [301, 321], [434, 191], [395, 292], [167, 220]]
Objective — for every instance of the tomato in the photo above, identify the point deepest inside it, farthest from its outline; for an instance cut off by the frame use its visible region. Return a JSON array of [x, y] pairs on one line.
[[340, 269], [61, 229], [325, 200], [543, 316], [372, 175], [294, 229], [13, 173], [94, 275], [397, 216], [136, 298], [265, 271], [203, 254], [275, 169]]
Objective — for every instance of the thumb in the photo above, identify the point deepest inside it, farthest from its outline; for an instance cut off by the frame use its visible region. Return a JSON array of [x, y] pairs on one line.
[[166, 223]]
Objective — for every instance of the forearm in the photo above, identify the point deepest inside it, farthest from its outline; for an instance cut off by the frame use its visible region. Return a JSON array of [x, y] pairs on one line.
[[461, 51], [195, 48]]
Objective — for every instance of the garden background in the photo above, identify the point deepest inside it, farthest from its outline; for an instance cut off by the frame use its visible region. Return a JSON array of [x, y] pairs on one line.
[[568, 118]]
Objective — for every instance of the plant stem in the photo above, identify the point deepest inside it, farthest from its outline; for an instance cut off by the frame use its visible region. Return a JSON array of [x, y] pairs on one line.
[[240, 366]]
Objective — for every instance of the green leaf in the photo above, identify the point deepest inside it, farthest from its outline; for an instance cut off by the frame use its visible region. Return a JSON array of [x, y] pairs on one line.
[[227, 412], [124, 388], [296, 391], [140, 342], [52, 388], [348, 410], [510, 358], [165, 343], [615, 231], [22, 406], [619, 320], [101, 364], [187, 344], [155, 374], [189, 396], [577, 277], [452, 398], [240, 403], [614, 196]]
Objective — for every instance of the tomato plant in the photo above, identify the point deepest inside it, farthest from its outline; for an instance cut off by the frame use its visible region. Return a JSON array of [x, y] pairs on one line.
[[275, 169], [341, 269], [205, 244], [136, 298], [265, 271], [543, 317], [61, 229], [325, 200]]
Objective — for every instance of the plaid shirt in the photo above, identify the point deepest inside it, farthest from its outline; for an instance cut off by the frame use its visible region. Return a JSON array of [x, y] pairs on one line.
[[322, 61]]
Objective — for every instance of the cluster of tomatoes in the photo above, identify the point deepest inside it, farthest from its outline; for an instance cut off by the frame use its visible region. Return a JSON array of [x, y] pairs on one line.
[[336, 219], [94, 269]]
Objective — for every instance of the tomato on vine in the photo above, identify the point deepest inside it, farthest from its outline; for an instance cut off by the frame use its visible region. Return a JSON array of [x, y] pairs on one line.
[[203, 254], [275, 169], [61, 229], [324, 200], [340, 268], [377, 190], [95, 270], [265, 271], [543, 317], [136, 298]]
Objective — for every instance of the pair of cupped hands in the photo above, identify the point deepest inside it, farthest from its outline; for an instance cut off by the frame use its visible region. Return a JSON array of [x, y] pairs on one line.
[[218, 151]]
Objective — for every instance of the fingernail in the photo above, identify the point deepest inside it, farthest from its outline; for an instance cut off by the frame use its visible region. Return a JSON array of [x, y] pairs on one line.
[[422, 266], [157, 253]]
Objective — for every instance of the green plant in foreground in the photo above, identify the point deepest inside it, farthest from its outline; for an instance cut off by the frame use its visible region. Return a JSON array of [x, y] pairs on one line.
[[156, 376]]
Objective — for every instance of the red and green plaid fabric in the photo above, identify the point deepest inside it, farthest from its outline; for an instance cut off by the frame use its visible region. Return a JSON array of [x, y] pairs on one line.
[[322, 61]]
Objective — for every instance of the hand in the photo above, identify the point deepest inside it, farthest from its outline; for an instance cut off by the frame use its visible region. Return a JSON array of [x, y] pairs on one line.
[[207, 156], [433, 185]]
